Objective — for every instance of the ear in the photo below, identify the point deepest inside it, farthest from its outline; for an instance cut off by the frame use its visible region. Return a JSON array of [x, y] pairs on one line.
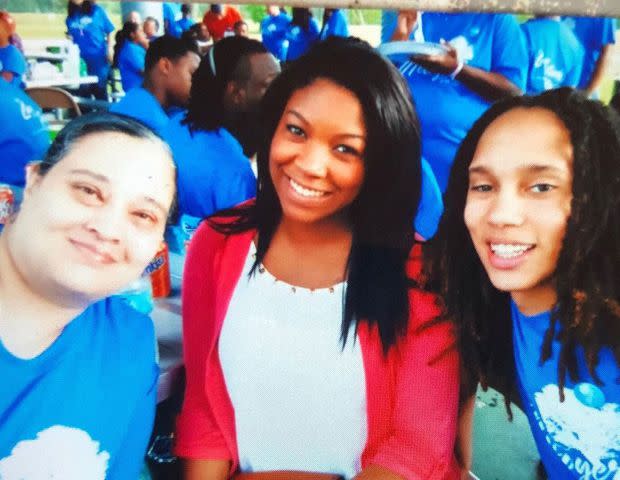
[[235, 93], [33, 178], [165, 65]]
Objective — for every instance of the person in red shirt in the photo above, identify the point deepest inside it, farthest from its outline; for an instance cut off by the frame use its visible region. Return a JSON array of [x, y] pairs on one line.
[[220, 19]]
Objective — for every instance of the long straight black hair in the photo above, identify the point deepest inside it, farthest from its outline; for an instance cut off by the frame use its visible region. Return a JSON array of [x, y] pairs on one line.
[[382, 214], [587, 276]]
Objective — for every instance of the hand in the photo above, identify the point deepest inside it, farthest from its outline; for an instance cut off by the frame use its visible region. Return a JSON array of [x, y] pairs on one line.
[[443, 64], [405, 24]]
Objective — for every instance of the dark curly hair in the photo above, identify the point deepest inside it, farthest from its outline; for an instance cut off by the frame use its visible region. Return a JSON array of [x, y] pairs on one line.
[[381, 216], [587, 276]]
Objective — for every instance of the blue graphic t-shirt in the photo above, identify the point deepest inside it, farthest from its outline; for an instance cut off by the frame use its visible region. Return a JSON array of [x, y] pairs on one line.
[[446, 107], [13, 61], [593, 33], [131, 65], [89, 32], [273, 32], [578, 438], [84, 407], [337, 25], [140, 104], [24, 135], [555, 55], [170, 11], [299, 40], [212, 171]]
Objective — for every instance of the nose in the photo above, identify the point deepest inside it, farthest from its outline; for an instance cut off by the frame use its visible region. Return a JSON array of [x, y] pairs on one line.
[[107, 222], [312, 161], [507, 209]]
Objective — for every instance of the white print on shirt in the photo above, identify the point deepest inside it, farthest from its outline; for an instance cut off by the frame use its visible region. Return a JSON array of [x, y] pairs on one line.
[[26, 110], [584, 430], [552, 76], [57, 452]]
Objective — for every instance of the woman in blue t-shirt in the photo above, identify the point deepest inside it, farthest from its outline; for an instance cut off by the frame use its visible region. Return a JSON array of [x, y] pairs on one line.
[[130, 54], [79, 378], [90, 27], [527, 259]]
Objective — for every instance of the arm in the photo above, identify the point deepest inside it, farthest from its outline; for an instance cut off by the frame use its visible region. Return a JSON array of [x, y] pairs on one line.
[[130, 458], [464, 448], [405, 23], [198, 438], [600, 69], [425, 408], [195, 469], [489, 85]]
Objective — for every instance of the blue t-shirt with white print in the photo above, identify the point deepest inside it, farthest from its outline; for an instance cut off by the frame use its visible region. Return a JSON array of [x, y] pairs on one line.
[[83, 408], [24, 134], [89, 32], [447, 108], [300, 40], [212, 171], [593, 33], [273, 32], [578, 438], [555, 55]]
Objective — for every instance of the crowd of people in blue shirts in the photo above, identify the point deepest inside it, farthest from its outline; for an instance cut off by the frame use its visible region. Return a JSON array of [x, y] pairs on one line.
[[205, 103]]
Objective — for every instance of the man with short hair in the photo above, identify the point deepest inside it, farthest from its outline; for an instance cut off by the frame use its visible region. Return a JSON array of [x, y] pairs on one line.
[[151, 28], [168, 68]]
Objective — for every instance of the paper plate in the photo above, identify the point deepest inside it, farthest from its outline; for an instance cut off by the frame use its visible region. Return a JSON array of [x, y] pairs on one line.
[[401, 51]]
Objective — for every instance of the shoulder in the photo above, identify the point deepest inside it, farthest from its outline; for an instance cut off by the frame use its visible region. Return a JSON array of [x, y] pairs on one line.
[[127, 331]]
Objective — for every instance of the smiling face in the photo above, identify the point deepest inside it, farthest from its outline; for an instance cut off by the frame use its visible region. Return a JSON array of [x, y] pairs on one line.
[[316, 160], [95, 220], [518, 203]]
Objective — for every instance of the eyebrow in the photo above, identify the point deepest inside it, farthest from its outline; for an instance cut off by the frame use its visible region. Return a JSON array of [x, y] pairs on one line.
[[103, 178], [530, 168], [349, 135]]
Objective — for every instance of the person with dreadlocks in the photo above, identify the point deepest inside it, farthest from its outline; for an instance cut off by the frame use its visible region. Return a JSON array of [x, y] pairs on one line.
[[527, 260], [214, 140]]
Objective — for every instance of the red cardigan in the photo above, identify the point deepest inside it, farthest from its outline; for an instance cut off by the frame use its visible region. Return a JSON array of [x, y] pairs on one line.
[[411, 405]]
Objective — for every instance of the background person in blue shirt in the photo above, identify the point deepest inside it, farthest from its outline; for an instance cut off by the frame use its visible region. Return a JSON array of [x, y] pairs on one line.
[[171, 12], [213, 142], [334, 24], [597, 35], [485, 60], [90, 29], [527, 260], [12, 61], [24, 135], [186, 21], [555, 55], [302, 33], [129, 54], [79, 378], [273, 31], [168, 68]]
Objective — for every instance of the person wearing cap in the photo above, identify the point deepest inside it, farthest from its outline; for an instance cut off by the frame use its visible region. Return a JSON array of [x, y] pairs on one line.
[[12, 61]]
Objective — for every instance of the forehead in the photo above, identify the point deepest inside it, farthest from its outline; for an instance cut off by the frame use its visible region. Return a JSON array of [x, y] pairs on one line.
[[127, 162], [523, 137]]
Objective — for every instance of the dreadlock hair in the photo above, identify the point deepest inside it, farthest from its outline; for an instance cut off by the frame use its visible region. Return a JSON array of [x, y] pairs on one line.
[[227, 61], [381, 216], [122, 36], [587, 275]]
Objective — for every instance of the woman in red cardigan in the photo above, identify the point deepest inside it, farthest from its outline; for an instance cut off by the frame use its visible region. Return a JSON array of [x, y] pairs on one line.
[[308, 345]]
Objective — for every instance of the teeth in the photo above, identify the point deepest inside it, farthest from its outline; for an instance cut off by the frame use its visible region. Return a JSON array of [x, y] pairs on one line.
[[509, 251], [305, 192]]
